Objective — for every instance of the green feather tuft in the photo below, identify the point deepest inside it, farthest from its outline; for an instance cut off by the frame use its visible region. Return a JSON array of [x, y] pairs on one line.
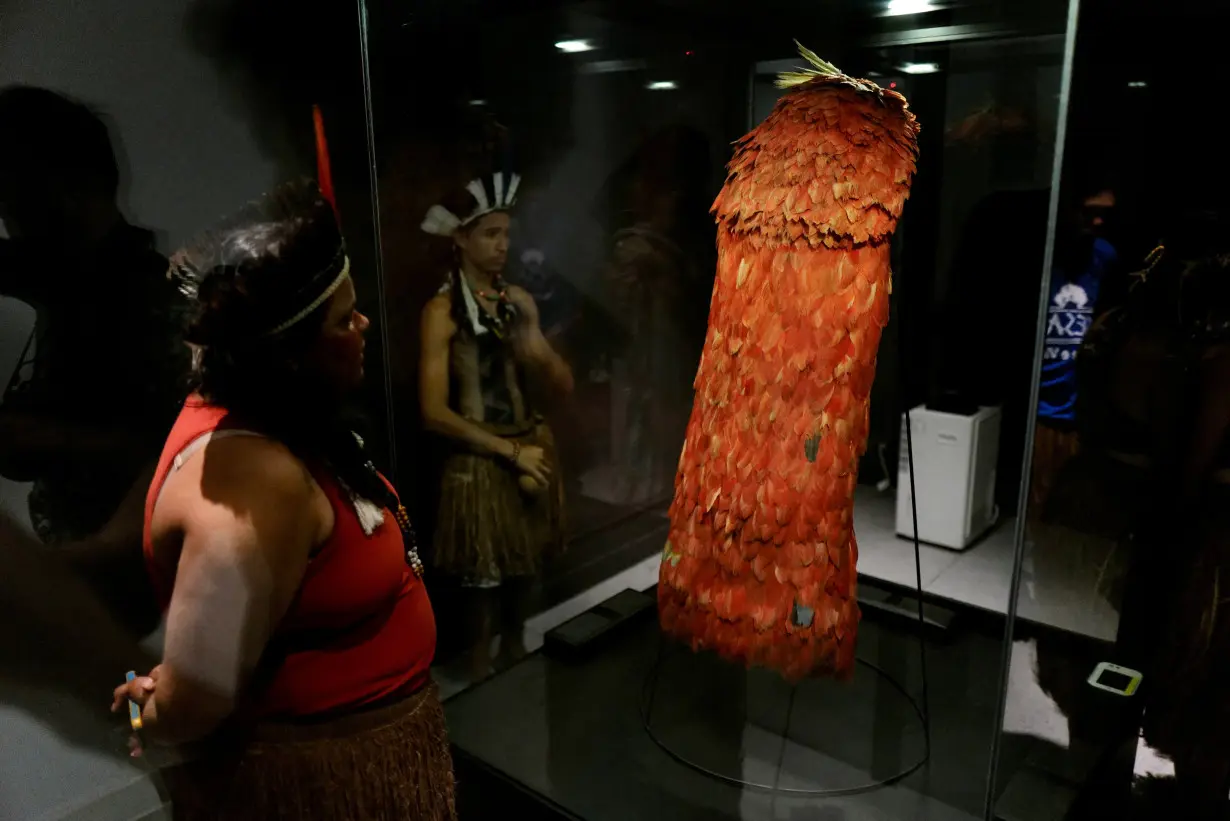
[[818, 68]]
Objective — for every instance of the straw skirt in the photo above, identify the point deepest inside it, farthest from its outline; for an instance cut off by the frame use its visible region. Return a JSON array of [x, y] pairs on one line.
[[488, 528], [390, 763]]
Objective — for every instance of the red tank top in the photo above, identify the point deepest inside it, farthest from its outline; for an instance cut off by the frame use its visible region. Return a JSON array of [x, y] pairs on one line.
[[361, 627]]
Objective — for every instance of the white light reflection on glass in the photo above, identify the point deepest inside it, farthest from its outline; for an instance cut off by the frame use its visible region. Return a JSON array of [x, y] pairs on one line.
[[663, 85], [920, 68], [896, 7], [575, 46]]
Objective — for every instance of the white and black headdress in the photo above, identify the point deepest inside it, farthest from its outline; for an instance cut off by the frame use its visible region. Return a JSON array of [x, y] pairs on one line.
[[491, 194]]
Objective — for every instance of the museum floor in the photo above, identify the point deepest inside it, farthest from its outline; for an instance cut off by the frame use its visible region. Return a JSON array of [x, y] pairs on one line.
[[569, 734], [572, 732]]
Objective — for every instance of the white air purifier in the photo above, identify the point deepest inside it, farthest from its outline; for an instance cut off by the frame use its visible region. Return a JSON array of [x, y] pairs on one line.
[[955, 459]]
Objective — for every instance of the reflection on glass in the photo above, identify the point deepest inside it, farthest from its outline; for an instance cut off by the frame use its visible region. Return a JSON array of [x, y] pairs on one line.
[[103, 371], [659, 276], [484, 356], [1084, 260], [1126, 531], [1187, 712]]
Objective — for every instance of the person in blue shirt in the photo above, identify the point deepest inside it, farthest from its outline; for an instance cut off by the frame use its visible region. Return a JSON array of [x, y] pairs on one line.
[[1083, 259], [1069, 314]]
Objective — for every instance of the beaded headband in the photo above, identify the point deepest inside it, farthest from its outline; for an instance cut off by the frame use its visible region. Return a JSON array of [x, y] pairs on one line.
[[317, 302]]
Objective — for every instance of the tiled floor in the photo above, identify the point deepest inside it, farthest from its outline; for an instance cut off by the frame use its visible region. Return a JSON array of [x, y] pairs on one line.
[[883, 556], [1067, 581]]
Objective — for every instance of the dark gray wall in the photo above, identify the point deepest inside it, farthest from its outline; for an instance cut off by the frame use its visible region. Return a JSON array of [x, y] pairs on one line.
[[187, 159]]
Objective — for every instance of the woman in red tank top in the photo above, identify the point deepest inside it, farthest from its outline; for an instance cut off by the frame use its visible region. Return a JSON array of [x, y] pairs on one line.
[[299, 634]]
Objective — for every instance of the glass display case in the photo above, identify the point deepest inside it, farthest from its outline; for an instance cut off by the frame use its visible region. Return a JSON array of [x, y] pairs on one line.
[[618, 120], [591, 238]]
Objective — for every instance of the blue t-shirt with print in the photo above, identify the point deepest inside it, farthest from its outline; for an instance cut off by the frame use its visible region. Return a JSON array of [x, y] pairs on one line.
[[1068, 316]]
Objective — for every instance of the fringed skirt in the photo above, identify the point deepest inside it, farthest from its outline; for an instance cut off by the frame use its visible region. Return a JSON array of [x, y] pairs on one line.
[[1053, 448], [489, 529], [390, 763]]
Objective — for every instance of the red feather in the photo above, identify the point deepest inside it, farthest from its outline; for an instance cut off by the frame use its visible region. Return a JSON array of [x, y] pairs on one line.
[[324, 172]]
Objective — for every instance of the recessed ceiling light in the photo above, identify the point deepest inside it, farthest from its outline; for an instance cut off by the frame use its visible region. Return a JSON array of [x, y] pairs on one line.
[[920, 68], [574, 46], [896, 7], [478, 102], [1138, 84], [663, 85]]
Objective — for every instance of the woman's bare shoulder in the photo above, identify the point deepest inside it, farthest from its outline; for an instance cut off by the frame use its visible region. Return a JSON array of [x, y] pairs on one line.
[[234, 477]]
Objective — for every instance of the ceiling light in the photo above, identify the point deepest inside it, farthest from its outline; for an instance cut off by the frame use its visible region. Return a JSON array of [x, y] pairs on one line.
[[574, 46], [478, 102], [663, 85], [896, 7], [920, 68], [1138, 84]]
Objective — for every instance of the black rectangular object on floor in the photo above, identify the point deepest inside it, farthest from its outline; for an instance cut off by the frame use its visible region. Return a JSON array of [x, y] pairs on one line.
[[591, 629]]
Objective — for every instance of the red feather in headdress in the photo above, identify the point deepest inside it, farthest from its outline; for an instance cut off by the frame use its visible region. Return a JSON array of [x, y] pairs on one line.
[[324, 172]]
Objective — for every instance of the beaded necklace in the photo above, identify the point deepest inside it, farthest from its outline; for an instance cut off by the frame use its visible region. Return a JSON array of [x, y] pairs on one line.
[[409, 537], [411, 540], [496, 320], [499, 295]]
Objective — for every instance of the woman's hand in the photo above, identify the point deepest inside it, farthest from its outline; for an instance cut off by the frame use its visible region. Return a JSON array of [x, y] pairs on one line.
[[532, 461], [139, 691]]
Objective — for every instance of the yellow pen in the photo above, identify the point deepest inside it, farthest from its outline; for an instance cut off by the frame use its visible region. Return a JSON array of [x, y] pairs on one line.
[[134, 709]]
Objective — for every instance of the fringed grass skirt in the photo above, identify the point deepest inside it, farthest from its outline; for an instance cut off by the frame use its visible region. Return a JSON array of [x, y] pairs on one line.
[[488, 528], [390, 763], [1053, 449]]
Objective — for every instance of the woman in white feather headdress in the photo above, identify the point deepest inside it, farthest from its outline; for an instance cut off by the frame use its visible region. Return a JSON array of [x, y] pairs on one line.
[[482, 350]]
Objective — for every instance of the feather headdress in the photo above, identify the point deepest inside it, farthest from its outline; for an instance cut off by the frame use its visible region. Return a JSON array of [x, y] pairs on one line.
[[211, 270], [491, 194]]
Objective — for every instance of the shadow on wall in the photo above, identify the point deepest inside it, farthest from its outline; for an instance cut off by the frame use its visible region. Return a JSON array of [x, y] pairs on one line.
[[272, 80]]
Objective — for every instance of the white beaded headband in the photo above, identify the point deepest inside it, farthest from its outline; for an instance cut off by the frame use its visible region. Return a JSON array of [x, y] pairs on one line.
[[317, 302], [443, 222]]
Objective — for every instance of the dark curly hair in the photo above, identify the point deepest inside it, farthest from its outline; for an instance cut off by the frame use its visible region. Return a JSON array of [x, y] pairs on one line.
[[247, 277]]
